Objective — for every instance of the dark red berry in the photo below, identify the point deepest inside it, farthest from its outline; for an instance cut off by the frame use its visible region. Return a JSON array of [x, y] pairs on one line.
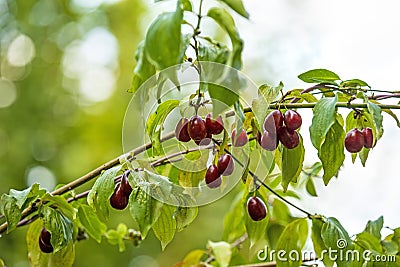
[[181, 130], [289, 138], [225, 165], [354, 141], [273, 121], [269, 141], [368, 137], [292, 119], [205, 141], [44, 241], [213, 178], [119, 200], [197, 128], [214, 126], [256, 208], [240, 140], [125, 186]]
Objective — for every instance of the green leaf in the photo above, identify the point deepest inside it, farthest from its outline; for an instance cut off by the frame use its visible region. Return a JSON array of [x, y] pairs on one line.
[[193, 258], [154, 124], [103, 188], [351, 122], [117, 236], [61, 204], [163, 39], [187, 5], [165, 226], [310, 187], [260, 105], [363, 154], [226, 22], [318, 243], [353, 83], [375, 227], [331, 152], [255, 229], [292, 164], [63, 258], [1, 263], [323, 119], [92, 224], [222, 252], [143, 70], [186, 212], [376, 113], [336, 237], [292, 239], [368, 241], [218, 53], [234, 226], [26, 196], [318, 76], [10, 209], [144, 209], [60, 227], [237, 5], [222, 95]]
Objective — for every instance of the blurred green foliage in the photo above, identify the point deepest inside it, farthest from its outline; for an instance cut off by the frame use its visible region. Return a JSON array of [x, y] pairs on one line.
[[65, 68]]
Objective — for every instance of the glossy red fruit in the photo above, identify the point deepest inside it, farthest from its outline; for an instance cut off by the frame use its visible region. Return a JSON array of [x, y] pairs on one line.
[[213, 178], [289, 138], [181, 130], [354, 141], [256, 208], [292, 119], [269, 141], [125, 186], [273, 121], [368, 137], [44, 241], [119, 200], [205, 141], [214, 126], [197, 128], [225, 165], [240, 140]]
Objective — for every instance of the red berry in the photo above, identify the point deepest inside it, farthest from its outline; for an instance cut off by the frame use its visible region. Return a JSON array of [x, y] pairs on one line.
[[181, 130], [213, 178], [289, 138], [214, 126], [354, 141], [368, 137], [197, 128], [256, 208], [225, 165], [273, 121], [205, 141], [269, 141], [119, 200], [44, 241], [125, 186], [292, 119], [241, 140]]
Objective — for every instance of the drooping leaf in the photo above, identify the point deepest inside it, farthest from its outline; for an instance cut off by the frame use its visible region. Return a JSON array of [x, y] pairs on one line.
[[143, 70], [234, 226], [186, 212], [222, 96], [163, 39], [165, 226], [226, 22], [336, 237], [144, 209], [154, 124], [292, 241], [102, 190], [292, 164], [318, 243], [318, 76], [237, 5], [222, 252], [60, 227], [92, 224], [310, 187], [323, 119], [368, 241], [376, 113], [331, 152], [61, 204], [63, 258], [10, 209]]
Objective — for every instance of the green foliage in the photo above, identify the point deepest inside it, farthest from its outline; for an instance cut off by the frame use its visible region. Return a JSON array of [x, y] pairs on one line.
[[222, 252], [292, 164], [319, 76], [92, 224]]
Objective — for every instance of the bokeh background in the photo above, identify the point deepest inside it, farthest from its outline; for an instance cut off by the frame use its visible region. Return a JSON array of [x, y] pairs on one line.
[[66, 66]]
